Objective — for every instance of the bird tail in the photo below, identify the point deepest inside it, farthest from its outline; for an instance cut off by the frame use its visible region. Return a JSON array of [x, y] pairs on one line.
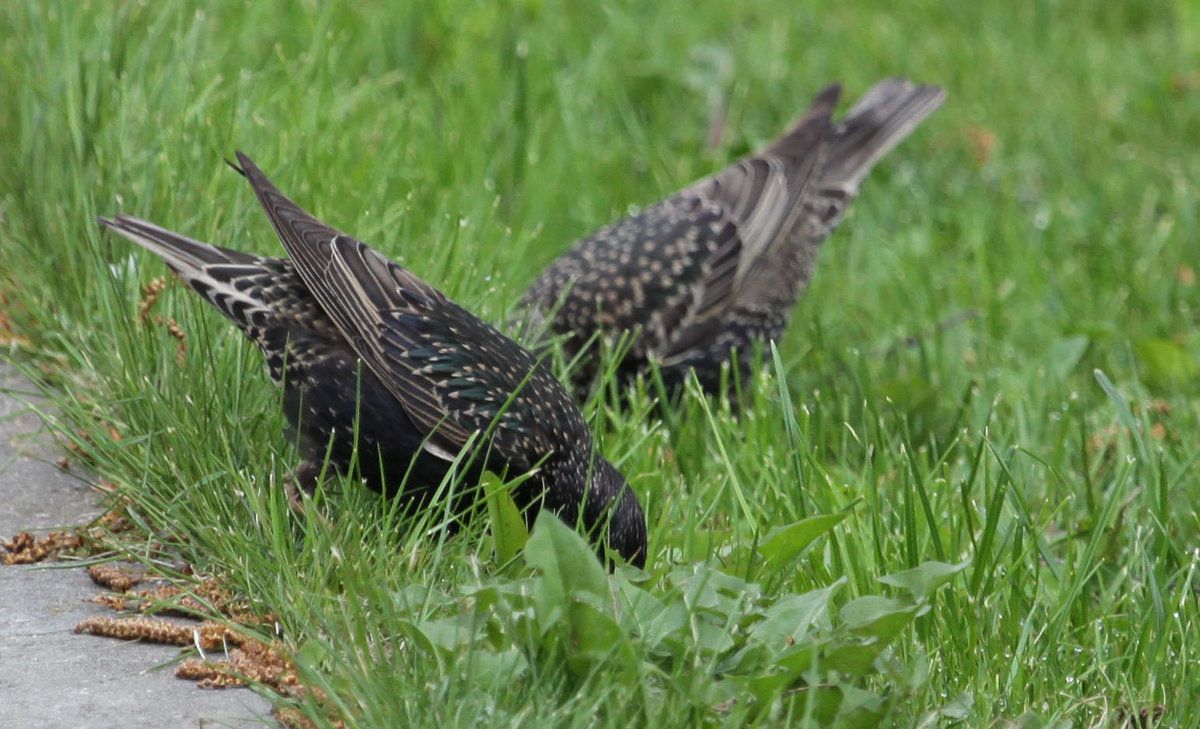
[[212, 271], [186, 256], [882, 118]]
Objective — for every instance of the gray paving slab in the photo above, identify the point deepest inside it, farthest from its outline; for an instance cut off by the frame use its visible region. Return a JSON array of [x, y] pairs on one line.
[[51, 677]]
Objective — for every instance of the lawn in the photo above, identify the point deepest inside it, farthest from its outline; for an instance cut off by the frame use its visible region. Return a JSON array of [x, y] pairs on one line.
[[987, 397]]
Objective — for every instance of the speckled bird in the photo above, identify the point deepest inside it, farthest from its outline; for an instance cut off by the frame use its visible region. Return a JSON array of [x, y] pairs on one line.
[[720, 264], [362, 345]]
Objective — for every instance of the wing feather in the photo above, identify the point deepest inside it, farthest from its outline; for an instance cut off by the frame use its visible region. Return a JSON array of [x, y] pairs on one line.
[[452, 372]]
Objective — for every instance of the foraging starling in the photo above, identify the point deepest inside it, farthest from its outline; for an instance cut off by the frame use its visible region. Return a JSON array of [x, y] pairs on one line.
[[720, 264], [381, 370]]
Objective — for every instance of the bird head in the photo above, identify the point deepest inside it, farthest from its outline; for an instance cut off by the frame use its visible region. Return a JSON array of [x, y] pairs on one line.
[[611, 497]]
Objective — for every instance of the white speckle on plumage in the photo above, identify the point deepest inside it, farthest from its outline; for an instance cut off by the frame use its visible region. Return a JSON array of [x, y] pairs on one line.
[[720, 264]]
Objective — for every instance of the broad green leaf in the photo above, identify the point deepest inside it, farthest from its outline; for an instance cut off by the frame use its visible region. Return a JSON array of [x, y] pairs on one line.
[[597, 642], [567, 562], [593, 630], [449, 635], [705, 588], [1165, 361], [1028, 720], [312, 653], [509, 534], [785, 543], [650, 617], [1066, 352], [860, 708], [869, 608], [415, 597], [922, 580], [695, 588], [821, 702], [492, 668], [854, 659], [766, 687], [801, 657], [790, 619], [512, 593], [957, 709], [751, 659], [784, 673], [416, 634], [711, 639], [881, 617]]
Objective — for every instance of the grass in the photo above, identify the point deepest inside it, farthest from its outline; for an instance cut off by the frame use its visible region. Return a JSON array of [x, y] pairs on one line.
[[1047, 445]]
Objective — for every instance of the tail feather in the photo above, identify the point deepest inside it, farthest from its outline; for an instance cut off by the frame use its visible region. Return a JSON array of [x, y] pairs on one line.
[[796, 148], [231, 281], [776, 268], [186, 256], [886, 114]]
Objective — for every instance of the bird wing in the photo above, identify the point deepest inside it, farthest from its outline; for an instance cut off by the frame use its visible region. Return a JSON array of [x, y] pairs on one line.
[[673, 270], [779, 266], [452, 372], [763, 194], [643, 272], [756, 198], [709, 297]]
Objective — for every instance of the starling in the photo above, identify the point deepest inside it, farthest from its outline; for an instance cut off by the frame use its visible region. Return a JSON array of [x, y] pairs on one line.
[[386, 378], [715, 267]]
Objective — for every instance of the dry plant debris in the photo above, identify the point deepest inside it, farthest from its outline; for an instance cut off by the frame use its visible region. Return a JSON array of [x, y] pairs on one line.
[[291, 718], [150, 294], [25, 548], [249, 659], [115, 578], [8, 337], [209, 635]]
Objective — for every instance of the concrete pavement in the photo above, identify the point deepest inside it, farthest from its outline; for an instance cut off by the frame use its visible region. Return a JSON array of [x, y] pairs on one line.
[[52, 677]]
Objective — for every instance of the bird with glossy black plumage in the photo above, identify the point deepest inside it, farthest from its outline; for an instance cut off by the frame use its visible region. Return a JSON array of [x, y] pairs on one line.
[[385, 377]]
